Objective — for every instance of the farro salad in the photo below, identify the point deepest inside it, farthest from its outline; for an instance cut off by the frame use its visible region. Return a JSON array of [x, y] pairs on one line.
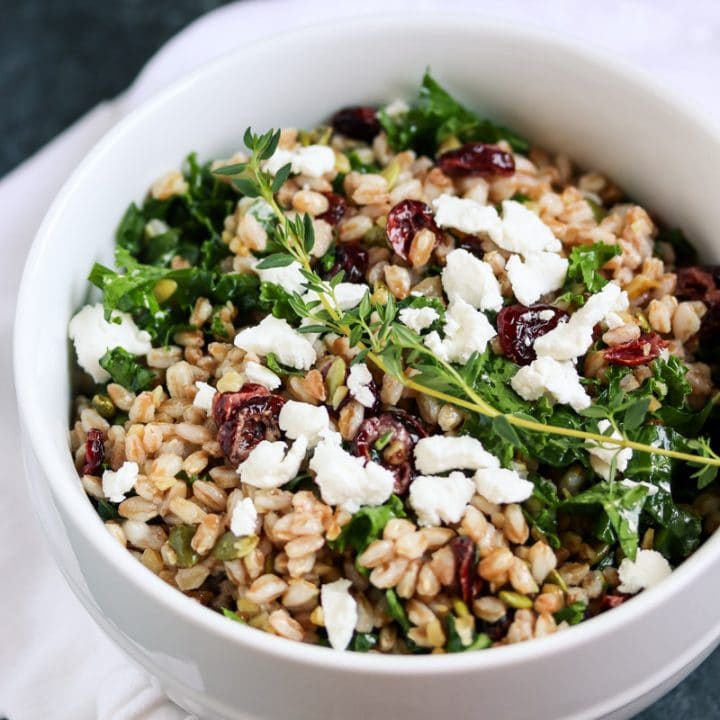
[[402, 383]]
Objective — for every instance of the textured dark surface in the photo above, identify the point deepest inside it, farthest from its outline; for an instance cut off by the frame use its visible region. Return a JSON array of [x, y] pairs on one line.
[[58, 59]]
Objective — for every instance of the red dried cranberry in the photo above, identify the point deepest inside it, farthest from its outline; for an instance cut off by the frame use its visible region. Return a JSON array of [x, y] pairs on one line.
[[476, 159], [497, 630], [94, 452], [406, 219], [473, 245], [358, 123], [336, 210], [399, 433], [636, 352], [519, 326], [352, 258], [698, 283], [466, 569], [612, 601], [245, 418]]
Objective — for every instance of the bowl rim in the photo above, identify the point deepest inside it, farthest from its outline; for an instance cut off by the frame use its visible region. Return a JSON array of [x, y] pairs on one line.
[[153, 589]]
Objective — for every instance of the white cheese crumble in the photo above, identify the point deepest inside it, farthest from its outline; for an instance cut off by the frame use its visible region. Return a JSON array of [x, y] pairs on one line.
[[524, 232], [396, 108], [418, 319], [313, 160], [347, 295], [439, 453], [300, 418], [540, 274], [439, 500], [572, 339], [93, 336], [204, 396], [340, 613], [345, 480], [244, 518], [358, 383], [646, 571], [468, 216], [289, 277], [602, 454], [557, 380], [274, 335], [116, 483], [257, 373], [466, 331], [268, 466], [651, 489], [468, 278], [499, 485]]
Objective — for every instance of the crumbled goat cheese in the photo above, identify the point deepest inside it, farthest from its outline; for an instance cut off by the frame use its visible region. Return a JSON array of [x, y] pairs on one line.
[[345, 480], [116, 483], [651, 489], [439, 453], [499, 485], [274, 335], [601, 455], [468, 216], [524, 232], [204, 396], [93, 336], [358, 383], [466, 331], [313, 160], [418, 319], [347, 295], [468, 278], [300, 418], [268, 466], [573, 338], [557, 380], [646, 571], [289, 277], [396, 108], [439, 500], [546, 315], [244, 518], [541, 273], [340, 613], [257, 373]]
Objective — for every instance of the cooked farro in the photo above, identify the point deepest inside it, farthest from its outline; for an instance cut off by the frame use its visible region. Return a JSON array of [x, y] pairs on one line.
[[175, 417]]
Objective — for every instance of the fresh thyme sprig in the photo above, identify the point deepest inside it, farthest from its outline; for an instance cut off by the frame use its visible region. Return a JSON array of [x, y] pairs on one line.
[[394, 348]]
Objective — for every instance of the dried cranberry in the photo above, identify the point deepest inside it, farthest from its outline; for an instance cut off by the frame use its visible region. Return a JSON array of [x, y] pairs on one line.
[[612, 601], [245, 418], [473, 245], [94, 452], [399, 433], [476, 159], [336, 210], [698, 283], [497, 630], [519, 326], [352, 258], [466, 569], [636, 352], [406, 219], [358, 123]]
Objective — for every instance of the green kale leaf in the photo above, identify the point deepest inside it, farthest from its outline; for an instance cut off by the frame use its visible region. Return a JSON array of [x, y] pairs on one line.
[[125, 370], [367, 525], [437, 116]]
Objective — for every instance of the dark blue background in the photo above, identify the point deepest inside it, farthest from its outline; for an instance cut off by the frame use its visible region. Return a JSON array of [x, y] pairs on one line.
[[59, 58]]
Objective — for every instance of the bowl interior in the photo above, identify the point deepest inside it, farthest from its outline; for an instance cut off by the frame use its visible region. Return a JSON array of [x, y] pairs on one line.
[[602, 115]]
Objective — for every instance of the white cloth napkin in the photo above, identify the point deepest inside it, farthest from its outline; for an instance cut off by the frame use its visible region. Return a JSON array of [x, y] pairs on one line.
[[54, 662]]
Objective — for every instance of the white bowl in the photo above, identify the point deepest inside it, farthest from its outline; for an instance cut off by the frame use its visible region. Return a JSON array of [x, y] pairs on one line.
[[605, 116]]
